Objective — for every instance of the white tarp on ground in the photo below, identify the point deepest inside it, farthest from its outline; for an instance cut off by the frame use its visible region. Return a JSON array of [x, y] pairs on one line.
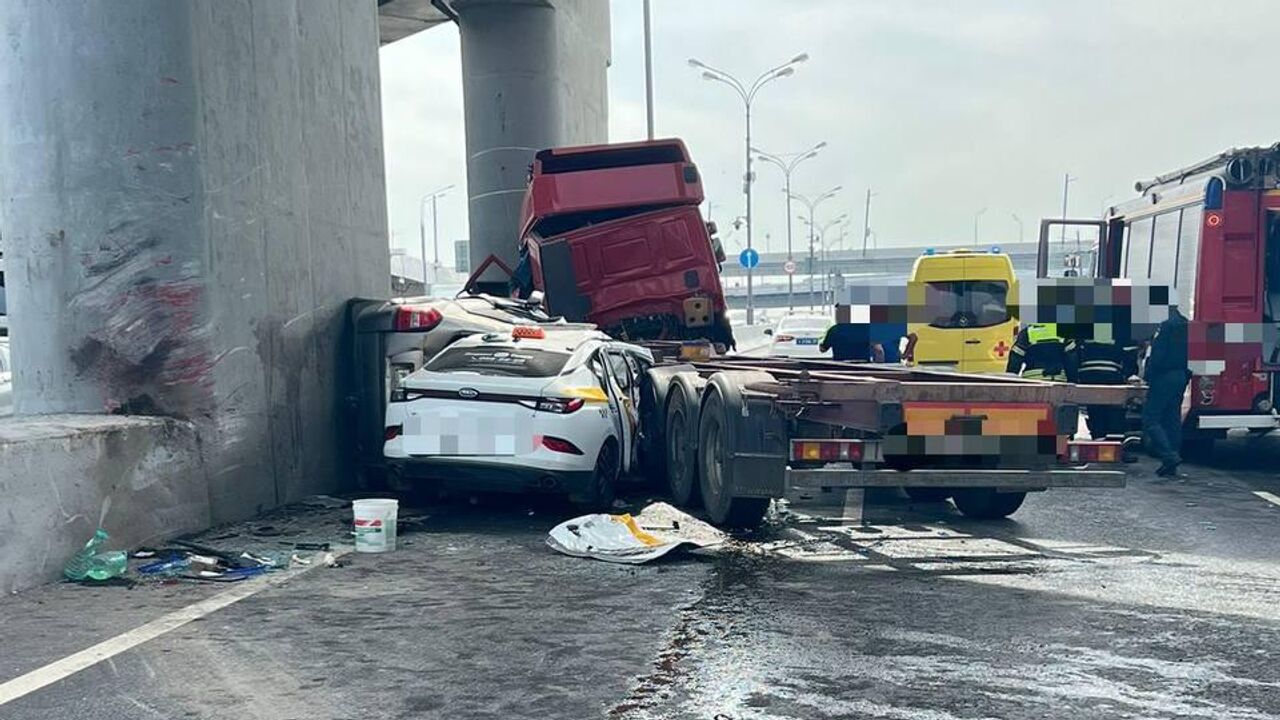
[[654, 532]]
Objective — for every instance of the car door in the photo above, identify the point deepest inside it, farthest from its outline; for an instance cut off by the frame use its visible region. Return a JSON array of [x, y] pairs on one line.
[[624, 390]]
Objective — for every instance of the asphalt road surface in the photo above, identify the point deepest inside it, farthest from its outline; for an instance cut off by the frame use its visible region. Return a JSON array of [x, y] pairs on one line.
[[1156, 601]]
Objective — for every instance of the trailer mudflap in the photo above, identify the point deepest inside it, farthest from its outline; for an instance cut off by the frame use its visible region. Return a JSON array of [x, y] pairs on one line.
[[759, 474], [1001, 480]]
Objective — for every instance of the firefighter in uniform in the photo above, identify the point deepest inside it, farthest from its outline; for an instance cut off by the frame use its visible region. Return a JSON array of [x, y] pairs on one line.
[[1105, 359], [1038, 352]]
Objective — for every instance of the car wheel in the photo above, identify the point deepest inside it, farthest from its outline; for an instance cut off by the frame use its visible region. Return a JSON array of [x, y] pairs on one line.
[[604, 479], [715, 475], [682, 475]]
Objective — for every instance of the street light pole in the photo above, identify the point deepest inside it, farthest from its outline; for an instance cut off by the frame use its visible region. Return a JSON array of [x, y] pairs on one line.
[[748, 94], [812, 205], [1019, 221], [648, 68], [975, 226], [1066, 186], [788, 167], [866, 223], [422, 229]]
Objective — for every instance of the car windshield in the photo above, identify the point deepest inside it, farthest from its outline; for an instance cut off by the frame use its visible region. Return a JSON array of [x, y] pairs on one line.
[[967, 303], [502, 360]]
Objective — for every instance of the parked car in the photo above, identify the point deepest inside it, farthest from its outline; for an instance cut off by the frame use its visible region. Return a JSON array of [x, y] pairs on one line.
[[532, 409], [389, 339], [798, 336]]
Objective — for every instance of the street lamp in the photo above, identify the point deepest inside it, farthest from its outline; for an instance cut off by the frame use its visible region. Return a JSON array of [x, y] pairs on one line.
[[1067, 179], [748, 94], [435, 229], [812, 205], [975, 225], [788, 164], [1019, 221], [820, 232]]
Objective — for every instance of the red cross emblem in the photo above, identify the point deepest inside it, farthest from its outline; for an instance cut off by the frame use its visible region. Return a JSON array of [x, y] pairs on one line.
[[1001, 348]]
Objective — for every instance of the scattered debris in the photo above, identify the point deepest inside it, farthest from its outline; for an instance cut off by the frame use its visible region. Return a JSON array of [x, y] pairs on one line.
[[311, 546], [91, 564], [656, 531]]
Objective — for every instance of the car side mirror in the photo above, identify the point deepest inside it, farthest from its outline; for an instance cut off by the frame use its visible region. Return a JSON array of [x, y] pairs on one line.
[[768, 331]]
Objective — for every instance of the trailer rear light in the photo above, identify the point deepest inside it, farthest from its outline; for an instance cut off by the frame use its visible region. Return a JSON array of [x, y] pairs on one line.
[[826, 450], [1102, 451], [392, 432], [416, 319], [785, 338], [528, 332], [560, 445]]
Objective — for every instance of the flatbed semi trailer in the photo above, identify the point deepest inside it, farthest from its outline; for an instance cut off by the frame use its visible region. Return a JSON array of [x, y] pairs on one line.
[[734, 433]]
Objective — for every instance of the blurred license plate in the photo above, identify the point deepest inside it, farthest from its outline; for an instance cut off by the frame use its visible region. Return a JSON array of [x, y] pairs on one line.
[[806, 341]]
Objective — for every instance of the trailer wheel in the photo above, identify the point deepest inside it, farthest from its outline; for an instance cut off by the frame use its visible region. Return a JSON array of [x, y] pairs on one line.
[[681, 455], [927, 494], [987, 504], [715, 476]]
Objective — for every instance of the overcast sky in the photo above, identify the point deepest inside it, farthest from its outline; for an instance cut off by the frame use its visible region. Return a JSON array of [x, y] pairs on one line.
[[943, 108]]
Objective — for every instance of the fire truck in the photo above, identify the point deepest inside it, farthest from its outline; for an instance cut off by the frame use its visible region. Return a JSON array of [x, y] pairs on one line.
[[1210, 230]]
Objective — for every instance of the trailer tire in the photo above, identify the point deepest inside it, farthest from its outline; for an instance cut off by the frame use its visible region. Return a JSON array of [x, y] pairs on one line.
[[986, 503], [715, 474], [680, 453], [927, 494]]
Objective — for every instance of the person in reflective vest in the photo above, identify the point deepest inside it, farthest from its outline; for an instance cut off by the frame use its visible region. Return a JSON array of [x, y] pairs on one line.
[[1038, 352], [1103, 360]]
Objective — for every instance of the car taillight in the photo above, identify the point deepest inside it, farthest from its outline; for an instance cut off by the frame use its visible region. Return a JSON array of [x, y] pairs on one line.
[[827, 450], [785, 338], [392, 432], [560, 445], [559, 406], [416, 319], [1104, 451]]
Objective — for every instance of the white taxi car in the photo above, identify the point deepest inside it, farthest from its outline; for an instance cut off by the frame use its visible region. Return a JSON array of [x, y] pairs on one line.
[[535, 409], [799, 336]]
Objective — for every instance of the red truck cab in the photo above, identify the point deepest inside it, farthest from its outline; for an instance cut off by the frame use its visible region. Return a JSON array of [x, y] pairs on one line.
[[614, 237]]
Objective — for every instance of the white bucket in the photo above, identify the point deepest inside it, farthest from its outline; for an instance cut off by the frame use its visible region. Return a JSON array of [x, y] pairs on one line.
[[375, 525]]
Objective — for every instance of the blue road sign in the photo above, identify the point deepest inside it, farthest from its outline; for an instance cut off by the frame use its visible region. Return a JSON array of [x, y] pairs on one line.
[[749, 258]]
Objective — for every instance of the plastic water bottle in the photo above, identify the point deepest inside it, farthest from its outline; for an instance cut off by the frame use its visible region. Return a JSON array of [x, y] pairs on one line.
[[93, 565]]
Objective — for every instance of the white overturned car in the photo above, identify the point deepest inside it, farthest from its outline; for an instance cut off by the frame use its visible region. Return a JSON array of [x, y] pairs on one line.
[[532, 409]]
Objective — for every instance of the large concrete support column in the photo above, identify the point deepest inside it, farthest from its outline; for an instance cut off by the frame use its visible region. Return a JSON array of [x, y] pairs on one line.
[[534, 76], [189, 191]]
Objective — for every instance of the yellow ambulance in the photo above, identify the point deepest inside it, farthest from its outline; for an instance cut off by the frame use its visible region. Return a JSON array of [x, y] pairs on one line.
[[962, 310]]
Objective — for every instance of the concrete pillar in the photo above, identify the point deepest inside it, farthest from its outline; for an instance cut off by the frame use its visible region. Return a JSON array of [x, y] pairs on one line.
[[534, 76], [189, 191]]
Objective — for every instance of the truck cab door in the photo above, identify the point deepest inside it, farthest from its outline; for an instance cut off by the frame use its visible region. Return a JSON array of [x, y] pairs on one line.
[[1064, 253]]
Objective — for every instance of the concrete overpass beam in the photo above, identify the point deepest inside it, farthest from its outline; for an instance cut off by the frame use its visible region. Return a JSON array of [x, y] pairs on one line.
[[534, 76]]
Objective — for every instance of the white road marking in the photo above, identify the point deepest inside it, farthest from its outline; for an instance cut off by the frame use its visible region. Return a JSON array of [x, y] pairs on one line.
[[60, 669], [1273, 499]]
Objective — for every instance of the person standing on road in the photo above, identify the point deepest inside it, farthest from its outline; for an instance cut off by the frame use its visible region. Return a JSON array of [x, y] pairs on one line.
[[1108, 358], [1167, 373], [849, 340], [1038, 352]]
